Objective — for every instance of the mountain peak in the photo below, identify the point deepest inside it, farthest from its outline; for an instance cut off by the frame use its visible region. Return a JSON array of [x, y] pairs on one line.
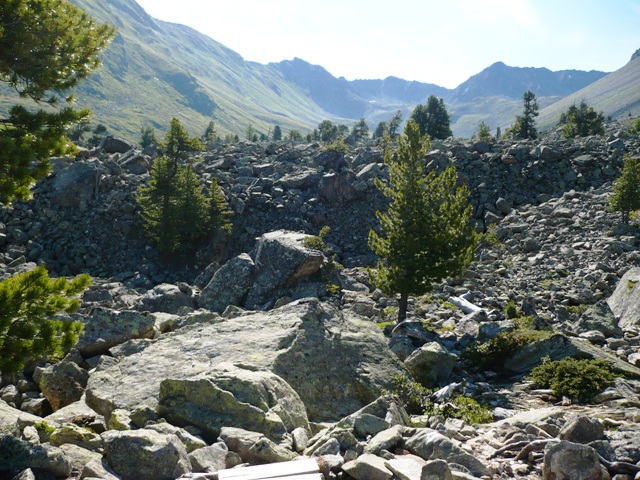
[[636, 54]]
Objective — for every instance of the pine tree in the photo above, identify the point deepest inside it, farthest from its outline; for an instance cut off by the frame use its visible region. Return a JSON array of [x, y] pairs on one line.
[[525, 126], [29, 329], [210, 137], [582, 121], [427, 234], [220, 213], [46, 48], [484, 134], [433, 118], [360, 130], [147, 137], [394, 124], [174, 196], [626, 190], [277, 133]]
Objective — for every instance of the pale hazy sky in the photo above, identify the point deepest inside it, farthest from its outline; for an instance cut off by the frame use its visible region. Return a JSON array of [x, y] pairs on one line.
[[434, 41]]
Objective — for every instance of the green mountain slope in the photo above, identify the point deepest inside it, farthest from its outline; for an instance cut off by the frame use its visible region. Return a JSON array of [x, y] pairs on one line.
[[156, 70], [616, 95]]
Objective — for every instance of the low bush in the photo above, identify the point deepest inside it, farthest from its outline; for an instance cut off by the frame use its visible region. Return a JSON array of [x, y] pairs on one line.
[[579, 380], [412, 395], [493, 352], [416, 399], [463, 408]]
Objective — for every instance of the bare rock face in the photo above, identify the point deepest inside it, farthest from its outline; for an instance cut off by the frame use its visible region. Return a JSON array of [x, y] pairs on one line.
[[336, 362], [625, 301]]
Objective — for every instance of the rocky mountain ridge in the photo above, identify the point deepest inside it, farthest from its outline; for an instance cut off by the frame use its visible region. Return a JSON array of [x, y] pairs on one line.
[[202, 80]]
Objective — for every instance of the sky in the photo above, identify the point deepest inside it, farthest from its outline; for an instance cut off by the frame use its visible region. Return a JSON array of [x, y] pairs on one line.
[[443, 42]]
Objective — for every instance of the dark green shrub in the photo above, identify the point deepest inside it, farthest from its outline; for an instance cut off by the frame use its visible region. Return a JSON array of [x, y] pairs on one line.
[[413, 396], [511, 309], [577, 379], [463, 408], [493, 352]]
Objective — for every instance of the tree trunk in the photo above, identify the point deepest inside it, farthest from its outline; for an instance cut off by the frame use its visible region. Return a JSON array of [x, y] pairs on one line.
[[402, 307]]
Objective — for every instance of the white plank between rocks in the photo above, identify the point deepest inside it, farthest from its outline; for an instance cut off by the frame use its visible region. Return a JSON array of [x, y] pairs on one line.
[[295, 470]]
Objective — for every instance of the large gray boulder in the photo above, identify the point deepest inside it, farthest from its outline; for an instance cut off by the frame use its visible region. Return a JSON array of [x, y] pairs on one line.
[[336, 362], [572, 461], [558, 347], [234, 394], [145, 455], [105, 328], [63, 383], [431, 364], [281, 260], [74, 185], [229, 285], [625, 301]]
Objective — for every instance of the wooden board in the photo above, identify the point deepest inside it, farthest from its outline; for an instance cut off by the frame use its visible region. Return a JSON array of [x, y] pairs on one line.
[[295, 470]]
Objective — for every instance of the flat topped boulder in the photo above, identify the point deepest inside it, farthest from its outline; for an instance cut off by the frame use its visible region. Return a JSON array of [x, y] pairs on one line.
[[336, 362]]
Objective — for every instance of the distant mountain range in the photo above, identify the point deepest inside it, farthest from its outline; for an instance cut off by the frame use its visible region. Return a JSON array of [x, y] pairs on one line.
[[156, 70]]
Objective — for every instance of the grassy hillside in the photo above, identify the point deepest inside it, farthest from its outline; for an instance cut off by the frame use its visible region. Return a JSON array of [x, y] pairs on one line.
[[616, 95], [155, 70]]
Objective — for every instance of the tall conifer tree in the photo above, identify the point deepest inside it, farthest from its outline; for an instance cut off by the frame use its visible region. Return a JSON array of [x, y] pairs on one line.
[[426, 231]]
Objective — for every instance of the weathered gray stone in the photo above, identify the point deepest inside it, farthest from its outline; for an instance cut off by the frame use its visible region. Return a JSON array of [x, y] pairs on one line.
[[233, 395], [572, 461], [17, 455], [75, 184], [625, 301], [79, 456], [70, 433], [229, 284], [558, 347], [281, 259], [599, 317], [111, 144], [191, 442], [167, 298], [582, 429], [145, 455], [337, 187], [431, 364], [254, 447], [63, 383], [367, 467], [209, 459], [105, 328], [386, 440], [305, 343], [432, 445]]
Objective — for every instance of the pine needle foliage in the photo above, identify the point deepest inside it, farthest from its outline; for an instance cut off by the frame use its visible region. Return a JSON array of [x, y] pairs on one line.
[[29, 303], [177, 211], [46, 48], [626, 190], [426, 232]]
